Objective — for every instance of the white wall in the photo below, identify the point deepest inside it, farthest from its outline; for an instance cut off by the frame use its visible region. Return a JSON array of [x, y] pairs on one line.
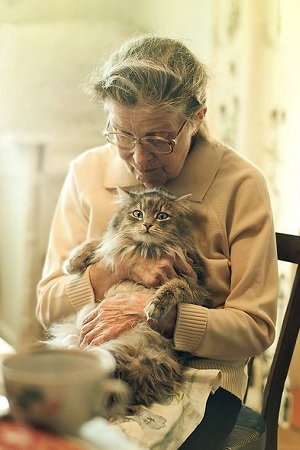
[[48, 48], [255, 96]]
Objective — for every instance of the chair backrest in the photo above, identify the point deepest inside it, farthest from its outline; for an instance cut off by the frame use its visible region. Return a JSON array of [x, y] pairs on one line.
[[288, 248]]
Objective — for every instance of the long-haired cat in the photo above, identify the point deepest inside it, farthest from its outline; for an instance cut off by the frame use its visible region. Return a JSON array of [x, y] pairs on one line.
[[149, 223]]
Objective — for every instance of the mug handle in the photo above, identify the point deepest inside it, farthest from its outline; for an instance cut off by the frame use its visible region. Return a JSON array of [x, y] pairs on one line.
[[113, 398]]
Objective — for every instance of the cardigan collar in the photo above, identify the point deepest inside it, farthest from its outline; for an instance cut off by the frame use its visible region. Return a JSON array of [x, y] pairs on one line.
[[198, 172]]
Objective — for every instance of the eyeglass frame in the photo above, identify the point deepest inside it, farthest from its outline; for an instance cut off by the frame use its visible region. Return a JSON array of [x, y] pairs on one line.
[[171, 143]]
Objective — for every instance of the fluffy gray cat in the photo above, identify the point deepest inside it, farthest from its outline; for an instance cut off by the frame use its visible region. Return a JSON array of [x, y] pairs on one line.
[[150, 223]]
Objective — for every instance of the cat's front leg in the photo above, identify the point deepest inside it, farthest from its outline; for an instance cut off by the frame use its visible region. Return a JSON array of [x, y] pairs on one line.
[[165, 297], [177, 290], [81, 257]]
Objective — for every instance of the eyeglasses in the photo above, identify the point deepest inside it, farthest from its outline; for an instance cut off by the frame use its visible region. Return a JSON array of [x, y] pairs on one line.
[[155, 144]]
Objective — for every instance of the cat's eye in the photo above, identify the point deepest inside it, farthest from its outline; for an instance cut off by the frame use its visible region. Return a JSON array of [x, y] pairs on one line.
[[162, 216], [137, 213]]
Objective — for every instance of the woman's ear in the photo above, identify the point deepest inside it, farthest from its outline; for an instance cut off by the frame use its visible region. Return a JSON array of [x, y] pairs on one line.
[[201, 113]]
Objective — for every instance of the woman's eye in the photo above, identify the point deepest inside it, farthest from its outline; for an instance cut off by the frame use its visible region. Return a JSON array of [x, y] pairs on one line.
[[137, 213], [162, 216]]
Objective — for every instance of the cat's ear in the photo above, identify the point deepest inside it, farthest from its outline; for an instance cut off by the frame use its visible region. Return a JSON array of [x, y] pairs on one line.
[[182, 204], [183, 198], [123, 195]]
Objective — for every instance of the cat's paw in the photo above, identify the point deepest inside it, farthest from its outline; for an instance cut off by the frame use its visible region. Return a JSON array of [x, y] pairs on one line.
[[82, 257], [168, 295], [160, 303]]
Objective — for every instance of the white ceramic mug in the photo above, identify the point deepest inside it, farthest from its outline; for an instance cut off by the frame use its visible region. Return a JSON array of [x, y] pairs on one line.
[[58, 389]]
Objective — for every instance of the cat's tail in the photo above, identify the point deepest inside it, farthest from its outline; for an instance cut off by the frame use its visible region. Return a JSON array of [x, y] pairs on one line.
[[147, 363]]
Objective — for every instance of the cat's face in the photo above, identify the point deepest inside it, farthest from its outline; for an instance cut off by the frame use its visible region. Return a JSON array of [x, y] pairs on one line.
[[152, 216]]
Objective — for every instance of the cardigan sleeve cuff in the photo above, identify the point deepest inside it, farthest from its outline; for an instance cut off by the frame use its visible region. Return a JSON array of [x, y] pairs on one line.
[[190, 327], [80, 291]]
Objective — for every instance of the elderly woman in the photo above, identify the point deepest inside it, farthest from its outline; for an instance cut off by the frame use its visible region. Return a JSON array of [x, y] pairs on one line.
[[154, 91]]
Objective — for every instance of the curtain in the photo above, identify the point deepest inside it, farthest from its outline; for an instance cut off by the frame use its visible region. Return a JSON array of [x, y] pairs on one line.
[[255, 108]]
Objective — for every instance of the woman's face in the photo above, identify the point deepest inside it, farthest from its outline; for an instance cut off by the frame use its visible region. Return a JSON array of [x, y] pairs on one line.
[[151, 168]]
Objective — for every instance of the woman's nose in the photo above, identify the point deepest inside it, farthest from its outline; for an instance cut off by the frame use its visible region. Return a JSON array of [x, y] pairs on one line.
[[141, 155]]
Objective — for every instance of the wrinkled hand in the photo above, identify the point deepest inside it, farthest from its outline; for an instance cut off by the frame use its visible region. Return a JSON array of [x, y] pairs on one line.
[[120, 313], [155, 273], [113, 316], [148, 272]]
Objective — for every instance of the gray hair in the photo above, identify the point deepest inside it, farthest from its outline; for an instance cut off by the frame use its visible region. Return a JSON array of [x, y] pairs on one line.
[[151, 71]]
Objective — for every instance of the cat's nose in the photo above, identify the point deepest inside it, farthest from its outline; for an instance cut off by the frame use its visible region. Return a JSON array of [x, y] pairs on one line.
[[147, 225]]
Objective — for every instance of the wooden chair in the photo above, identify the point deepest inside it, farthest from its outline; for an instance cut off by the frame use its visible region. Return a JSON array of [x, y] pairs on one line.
[[255, 431]]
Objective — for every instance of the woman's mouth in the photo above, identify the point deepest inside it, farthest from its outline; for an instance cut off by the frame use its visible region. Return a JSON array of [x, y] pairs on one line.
[[145, 171]]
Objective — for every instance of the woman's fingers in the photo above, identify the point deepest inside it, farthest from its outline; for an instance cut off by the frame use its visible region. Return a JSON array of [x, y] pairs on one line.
[[185, 267], [91, 336], [113, 316]]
